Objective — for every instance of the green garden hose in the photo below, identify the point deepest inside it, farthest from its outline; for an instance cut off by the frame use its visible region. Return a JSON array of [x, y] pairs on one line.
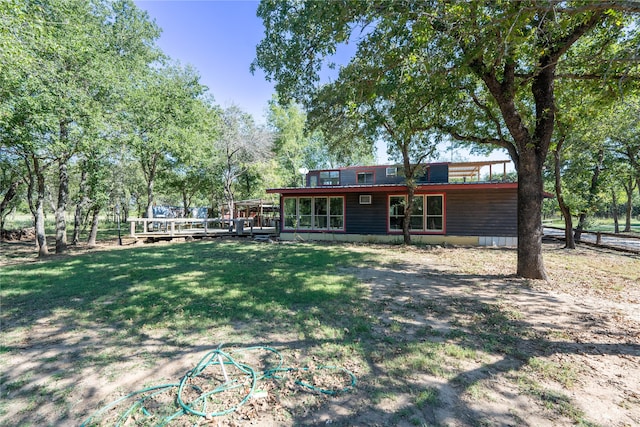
[[198, 406]]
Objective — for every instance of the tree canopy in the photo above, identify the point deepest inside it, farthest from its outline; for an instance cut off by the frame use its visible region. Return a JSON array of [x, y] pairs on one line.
[[488, 71]]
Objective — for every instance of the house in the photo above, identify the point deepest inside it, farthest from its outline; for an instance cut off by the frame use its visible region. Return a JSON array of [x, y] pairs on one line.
[[453, 204]]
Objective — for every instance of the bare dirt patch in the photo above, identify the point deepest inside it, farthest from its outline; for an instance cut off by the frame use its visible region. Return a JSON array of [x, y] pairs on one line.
[[451, 338]]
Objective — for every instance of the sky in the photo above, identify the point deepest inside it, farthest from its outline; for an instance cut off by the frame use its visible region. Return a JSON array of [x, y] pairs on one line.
[[218, 38]]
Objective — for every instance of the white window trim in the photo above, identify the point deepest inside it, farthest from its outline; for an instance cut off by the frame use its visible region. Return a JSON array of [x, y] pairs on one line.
[[313, 226], [365, 199]]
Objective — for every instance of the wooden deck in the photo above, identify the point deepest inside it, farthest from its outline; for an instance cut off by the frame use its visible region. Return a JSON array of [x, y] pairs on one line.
[[170, 228]]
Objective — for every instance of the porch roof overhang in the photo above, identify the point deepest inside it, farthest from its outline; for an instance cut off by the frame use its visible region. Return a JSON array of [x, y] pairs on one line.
[[472, 169], [386, 188]]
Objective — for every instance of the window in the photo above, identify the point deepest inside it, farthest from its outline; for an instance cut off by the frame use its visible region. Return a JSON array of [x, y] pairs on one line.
[[392, 171], [330, 178], [320, 210], [396, 212], [417, 213], [427, 213], [314, 213], [290, 213], [365, 199], [365, 178], [434, 215], [336, 213]]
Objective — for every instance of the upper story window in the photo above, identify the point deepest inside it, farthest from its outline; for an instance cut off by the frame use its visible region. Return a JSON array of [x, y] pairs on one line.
[[365, 178], [392, 171], [330, 178]]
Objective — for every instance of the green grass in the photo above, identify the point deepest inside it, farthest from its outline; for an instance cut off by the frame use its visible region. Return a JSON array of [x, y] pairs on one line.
[[187, 287], [140, 308], [598, 224]]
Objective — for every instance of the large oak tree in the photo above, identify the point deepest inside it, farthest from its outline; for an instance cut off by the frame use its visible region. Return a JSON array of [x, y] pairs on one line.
[[490, 68]]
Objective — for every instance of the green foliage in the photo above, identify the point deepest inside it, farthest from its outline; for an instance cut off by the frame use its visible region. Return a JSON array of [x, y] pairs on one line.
[[480, 72], [297, 146], [63, 79]]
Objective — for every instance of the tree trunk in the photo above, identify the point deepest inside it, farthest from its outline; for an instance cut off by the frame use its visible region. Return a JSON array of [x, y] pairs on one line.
[[629, 206], [408, 209], [82, 202], [228, 193], [614, 211], [91, 241], [149, 207], [530, 189], [186, 203], [593, 190], [41, 237], [8, 196], [150, 175], [566, 211], [61, 208]]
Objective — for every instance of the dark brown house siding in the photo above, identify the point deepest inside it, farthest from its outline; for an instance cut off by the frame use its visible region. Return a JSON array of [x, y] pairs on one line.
[[366, 219], [486, 212], [488, 209]]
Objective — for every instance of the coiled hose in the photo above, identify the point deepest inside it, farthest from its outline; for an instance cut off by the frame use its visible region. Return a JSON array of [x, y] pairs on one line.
[[246, 377]]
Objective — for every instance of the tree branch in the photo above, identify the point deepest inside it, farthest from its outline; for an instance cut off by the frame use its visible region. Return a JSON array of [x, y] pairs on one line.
[[489, 114], [503, 143]]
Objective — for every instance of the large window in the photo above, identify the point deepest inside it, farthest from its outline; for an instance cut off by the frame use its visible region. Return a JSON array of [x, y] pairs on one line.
[[427, 213], [304, 212], [314, 213], [330, 178]]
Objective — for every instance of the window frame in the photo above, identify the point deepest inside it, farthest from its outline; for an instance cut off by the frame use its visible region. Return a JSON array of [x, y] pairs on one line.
[[365, 174], [395, 214], [327, 215], [330, 180], [365, 199]]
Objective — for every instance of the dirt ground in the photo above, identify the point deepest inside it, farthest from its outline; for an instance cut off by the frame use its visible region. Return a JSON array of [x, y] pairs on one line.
[[585, 321], [573, 356]]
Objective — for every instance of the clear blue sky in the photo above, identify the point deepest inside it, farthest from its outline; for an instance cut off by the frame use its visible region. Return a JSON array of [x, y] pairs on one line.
[[218, 38]]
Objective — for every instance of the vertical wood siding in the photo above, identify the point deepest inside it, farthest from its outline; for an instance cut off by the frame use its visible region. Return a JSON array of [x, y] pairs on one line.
[[366, 219], [482, 213], [485, 212]]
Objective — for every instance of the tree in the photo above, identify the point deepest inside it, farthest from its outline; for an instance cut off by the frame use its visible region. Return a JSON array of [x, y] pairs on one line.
[[162, 115], [11, 185], [493, 65], [385, 110], [240, 144], [188, 172], [300, 144], [61, 83]]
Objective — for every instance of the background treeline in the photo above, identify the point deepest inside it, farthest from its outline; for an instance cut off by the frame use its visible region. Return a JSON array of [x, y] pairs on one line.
[[95, 118]]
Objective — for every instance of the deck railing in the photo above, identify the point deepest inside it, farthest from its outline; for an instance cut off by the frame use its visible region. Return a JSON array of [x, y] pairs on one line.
[[175, 227]]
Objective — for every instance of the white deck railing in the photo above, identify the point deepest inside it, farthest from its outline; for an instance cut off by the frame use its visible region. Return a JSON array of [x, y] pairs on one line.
[[173, 227]]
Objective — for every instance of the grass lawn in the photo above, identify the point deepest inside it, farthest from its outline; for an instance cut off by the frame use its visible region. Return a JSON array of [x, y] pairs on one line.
[[443, 336]]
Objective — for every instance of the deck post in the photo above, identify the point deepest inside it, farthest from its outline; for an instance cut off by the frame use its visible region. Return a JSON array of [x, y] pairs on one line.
[[132, 228]]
